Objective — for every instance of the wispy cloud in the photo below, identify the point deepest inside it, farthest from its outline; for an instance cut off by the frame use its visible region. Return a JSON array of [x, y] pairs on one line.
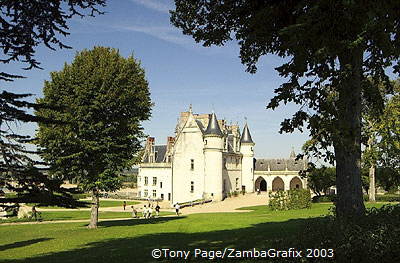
[[157, 5], [166, 33]]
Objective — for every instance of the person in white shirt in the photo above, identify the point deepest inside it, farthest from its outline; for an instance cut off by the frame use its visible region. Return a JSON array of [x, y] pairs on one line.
[[144, 212], [149, 212], [177, 207]]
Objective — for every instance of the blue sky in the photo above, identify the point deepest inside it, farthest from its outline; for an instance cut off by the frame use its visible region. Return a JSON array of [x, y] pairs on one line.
[[180, 72]]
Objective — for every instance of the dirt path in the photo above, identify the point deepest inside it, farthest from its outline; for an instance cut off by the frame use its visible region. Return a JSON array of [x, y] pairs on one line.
[[228, 205]]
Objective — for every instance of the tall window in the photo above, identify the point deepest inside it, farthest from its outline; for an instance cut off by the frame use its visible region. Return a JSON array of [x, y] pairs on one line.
[[237, 183], [154, 193], [146, 180], [160, 184], [191, 186], [154, 180], [191, 164], [146, 192]]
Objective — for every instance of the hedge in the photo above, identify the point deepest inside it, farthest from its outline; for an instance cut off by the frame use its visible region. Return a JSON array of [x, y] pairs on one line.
[[290, 200]]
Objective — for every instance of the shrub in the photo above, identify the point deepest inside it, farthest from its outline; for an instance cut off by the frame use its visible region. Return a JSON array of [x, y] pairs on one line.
[[371, 238], [235, 193], [288, 200], [324, 198]]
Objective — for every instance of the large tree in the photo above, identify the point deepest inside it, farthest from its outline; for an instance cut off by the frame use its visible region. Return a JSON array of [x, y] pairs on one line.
[[101, 98], [25, 25], [331, 48]]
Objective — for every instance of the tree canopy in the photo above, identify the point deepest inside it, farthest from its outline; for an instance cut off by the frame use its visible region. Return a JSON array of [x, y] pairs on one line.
[[101, 98], [24, 25], [332, 48]]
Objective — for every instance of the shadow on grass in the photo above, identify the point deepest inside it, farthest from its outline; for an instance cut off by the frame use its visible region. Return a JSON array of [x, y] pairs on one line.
[[23, 243], [138, 221], [139, 248]]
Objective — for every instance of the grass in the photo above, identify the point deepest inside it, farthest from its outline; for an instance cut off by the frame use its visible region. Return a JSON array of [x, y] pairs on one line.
[[133, 240], [103, 203], [76, 215]]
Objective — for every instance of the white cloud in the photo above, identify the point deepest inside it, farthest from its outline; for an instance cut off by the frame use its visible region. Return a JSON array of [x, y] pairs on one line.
[[165, 33], [157, 5]]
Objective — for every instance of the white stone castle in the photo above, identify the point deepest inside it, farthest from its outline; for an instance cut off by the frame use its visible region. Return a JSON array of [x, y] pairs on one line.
[[207, 159]]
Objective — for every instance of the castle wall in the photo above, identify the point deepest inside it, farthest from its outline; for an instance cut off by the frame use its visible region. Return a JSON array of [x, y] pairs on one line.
[[162, 185], [188, 146]]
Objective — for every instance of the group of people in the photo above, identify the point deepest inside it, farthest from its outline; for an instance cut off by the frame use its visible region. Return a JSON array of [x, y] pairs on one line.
[[147, 211]]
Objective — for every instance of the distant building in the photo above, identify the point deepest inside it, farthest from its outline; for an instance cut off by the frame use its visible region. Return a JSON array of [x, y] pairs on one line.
[[207, 159]]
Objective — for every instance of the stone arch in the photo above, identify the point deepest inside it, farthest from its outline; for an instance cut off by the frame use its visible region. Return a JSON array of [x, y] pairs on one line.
[[296, 183], [261, 184], [278, 184]]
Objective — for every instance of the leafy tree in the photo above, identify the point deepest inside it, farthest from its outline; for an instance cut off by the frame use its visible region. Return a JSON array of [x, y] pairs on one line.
[[319, 180], [102, 98], [331, 49], [382, 140], [24, 25]]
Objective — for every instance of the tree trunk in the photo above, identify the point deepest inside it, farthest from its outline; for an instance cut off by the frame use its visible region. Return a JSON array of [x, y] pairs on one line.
[[372, 183], [347, 139], [94, 214]]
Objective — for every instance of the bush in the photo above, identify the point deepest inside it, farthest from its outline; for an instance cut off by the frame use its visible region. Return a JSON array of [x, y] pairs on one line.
[[324, 198], [371, 238], [289, 200], [388, 198]]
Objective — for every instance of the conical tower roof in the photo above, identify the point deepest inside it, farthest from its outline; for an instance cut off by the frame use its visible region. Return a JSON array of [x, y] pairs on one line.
[[292, 154], [246, 137], [213, 126]]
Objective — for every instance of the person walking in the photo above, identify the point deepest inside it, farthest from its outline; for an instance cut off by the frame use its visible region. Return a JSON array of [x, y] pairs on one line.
[[124, 205], [144, 212], [34, 212], [157, 210], [149, 212], [134, 212], [177, 207]]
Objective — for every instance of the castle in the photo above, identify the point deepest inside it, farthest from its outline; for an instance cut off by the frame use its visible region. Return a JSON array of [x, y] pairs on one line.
[[207, 159]]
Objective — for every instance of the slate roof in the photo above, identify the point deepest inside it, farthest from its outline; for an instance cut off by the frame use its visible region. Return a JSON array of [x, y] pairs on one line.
[[160, 150], [213, 126], [279, 164], [246, 137]]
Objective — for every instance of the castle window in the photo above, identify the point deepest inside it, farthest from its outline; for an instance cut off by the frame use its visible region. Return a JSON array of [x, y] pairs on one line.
[[154, 181], [191, 164], [146, 192], [160, 184], [146, 180], [237, 183], [205, 142], [191, 186], [154, 193]]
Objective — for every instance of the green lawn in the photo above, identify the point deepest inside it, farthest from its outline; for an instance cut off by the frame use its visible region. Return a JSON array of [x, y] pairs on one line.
[[133, 240], [76, 215], [103, 203]]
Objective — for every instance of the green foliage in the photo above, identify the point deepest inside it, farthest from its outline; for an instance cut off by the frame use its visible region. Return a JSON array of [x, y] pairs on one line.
[[290, 200], [331, 50], [371, 238], [321, 179], [324, 198], [388, 178], [25, 25], [101, 98]]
